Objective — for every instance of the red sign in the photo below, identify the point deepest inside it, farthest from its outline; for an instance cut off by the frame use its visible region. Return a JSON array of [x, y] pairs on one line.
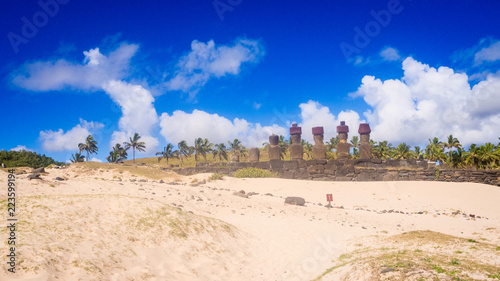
[[329, 197]]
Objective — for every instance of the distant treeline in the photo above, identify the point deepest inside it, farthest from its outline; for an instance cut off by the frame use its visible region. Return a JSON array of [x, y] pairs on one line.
[[26, 159]]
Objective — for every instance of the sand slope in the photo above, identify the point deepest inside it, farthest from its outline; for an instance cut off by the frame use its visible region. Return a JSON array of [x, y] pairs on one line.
[[98, 225]]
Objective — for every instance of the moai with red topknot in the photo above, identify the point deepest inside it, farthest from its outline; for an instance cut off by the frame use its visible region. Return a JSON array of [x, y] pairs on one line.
[[296, 150], [319, 149], [365, 148], [343, 147]]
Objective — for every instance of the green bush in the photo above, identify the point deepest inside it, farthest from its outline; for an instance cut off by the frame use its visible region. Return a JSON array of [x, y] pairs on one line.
[[216, 176], [26, 159], [253, 173]]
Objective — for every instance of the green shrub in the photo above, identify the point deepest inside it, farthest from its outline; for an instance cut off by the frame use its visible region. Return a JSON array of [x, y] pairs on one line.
[[216, 176], [253, 173]]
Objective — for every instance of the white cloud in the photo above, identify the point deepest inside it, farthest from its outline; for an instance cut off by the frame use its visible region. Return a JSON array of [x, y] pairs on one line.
[[138, 113], [92, 74], [20, 148], [93, 159], [429, 102], [205, 60], [390, 54], [218, 129], [69, 140], [257, 105], [488, 54], [313, 114]]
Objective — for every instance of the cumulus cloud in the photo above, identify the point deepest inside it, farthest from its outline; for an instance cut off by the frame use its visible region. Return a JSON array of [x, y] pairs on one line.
[[93, 159], [390, 54], [95, 70], [20, 148], [313, 114], [69, 140], [429, 102], [218, 129], [138, 113], [206, 60]]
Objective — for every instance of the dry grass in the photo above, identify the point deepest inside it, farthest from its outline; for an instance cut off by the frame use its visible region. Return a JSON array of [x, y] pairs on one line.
[[152, 172], [421, 255], [93, 233]]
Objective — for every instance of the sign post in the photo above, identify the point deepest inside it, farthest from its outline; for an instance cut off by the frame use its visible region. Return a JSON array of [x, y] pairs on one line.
[[329, 198]]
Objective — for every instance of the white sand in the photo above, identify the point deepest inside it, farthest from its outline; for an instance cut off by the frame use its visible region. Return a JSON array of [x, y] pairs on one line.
[[104, 229]]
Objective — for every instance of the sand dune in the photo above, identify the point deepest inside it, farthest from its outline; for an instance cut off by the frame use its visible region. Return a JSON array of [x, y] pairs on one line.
[[112, 224]]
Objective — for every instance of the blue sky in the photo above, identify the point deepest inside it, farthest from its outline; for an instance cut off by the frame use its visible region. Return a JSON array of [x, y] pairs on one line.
[[226, 69]]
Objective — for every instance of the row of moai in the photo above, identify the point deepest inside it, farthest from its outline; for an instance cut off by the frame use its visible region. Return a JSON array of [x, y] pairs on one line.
[[319, 148]]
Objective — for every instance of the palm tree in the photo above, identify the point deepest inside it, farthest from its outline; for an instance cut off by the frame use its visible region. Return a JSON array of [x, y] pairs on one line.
[[355, 145], [220, 151], [452, 143], [118, 154], [202, 147], [418, 153], [332, 143], [403, 151], [90, 146], [168, 152], [432, 151], [307, 148], [383, 150], [487, 157], [236, 147], [77, 157], [283, 144], [183, 150], [135, 144]]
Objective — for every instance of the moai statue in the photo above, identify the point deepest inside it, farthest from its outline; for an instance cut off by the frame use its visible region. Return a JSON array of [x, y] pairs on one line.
[[296, 150], [274, 150], [253, 155], [365, 149], [319, 149], [343, 147], [235, 158]]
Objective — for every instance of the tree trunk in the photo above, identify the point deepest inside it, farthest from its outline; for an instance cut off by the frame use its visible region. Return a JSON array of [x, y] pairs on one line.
[[133, 148]]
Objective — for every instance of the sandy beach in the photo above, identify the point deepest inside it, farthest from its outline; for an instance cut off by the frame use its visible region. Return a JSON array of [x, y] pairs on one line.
[[111, 224]]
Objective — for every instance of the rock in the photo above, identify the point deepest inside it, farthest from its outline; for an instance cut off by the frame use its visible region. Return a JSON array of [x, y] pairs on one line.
[[241, 194], [268, 194], [143, 180], [161, 181], [252, 193], [39, 170], [34, 177], [59, 179], [387, 269], [295, 201]]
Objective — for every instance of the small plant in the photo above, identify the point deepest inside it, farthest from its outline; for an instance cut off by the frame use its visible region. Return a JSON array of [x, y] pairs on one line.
[[253, 173], [472, 241], [455, 262], [438, 269], [494, 276], [51, 185], [498, 248], [458, 252], [216, 176], [194, 180]]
